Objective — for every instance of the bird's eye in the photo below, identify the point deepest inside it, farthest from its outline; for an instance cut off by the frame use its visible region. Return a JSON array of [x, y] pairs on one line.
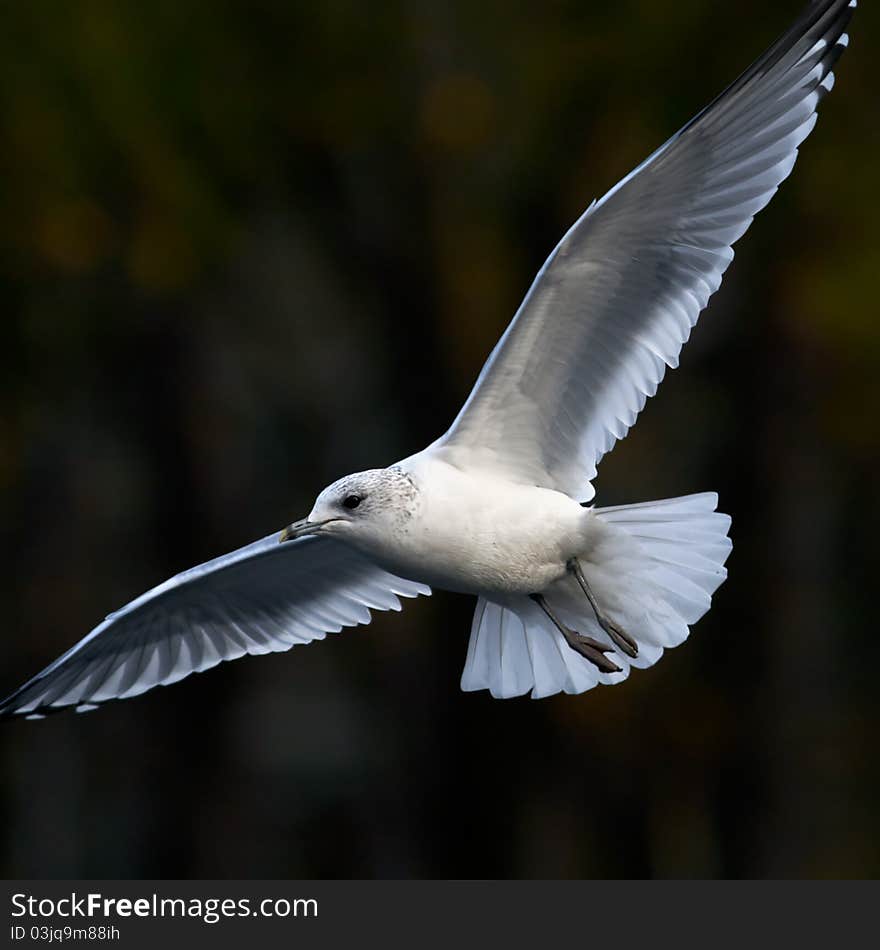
[[351, 501]]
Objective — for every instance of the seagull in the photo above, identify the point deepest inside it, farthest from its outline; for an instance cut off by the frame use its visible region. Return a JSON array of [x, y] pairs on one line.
[[569, 595]]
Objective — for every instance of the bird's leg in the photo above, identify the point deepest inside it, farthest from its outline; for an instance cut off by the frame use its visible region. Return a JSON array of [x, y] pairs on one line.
[[620, 637], [588, 648]]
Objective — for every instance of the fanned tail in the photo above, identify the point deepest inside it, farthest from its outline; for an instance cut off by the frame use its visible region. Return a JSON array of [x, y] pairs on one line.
[[653, 571]]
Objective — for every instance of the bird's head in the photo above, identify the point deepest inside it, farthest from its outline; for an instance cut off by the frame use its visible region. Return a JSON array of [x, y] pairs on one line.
[[364, 507]]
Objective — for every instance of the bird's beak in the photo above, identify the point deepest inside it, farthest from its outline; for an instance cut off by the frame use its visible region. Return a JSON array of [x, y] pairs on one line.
[[300, 529]]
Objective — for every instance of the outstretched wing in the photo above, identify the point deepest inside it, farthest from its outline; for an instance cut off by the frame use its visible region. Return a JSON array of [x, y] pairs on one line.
[[263, 598], [617, 299]]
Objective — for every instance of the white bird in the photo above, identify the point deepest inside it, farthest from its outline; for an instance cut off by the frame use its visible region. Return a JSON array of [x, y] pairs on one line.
[[568, 595]]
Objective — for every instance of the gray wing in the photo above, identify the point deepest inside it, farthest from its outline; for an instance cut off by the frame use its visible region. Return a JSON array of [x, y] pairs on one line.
[[262, 598], [617, 299]]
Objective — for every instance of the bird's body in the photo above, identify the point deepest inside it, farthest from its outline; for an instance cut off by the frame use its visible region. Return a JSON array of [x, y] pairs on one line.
[[475, 532], [568, 596]]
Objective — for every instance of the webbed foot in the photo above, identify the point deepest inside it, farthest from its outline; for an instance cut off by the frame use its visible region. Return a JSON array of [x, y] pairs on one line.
[[618, 636], [589, 648]]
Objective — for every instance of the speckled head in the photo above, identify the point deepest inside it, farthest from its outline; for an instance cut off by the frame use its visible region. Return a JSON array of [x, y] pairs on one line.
[[361, 507]]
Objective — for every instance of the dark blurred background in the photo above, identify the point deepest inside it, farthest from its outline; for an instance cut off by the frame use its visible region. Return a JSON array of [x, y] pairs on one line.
[[250, 247]]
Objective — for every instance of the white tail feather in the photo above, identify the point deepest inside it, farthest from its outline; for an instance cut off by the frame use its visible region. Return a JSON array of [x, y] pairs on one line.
[[654, 572]]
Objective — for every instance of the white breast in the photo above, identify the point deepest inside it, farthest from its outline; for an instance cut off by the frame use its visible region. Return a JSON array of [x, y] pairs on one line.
[[477, 533]]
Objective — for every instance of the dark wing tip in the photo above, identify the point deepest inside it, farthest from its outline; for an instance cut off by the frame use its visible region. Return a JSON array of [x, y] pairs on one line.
[[824, 20], [17, 706], [11, 706], [821, 20]]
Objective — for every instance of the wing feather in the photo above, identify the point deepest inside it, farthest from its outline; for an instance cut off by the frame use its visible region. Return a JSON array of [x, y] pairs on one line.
[[620, 294], [263, 598]]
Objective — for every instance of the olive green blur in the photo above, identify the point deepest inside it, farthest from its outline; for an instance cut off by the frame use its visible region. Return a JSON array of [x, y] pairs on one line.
[[249, 247]]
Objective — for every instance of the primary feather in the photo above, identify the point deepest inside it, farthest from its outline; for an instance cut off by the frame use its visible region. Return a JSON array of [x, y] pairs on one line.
[[262, 598], [618, 297]]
